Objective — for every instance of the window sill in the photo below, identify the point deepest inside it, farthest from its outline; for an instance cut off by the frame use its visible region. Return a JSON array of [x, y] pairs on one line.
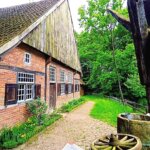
[[23, 102], [13, 105], [52, 82], [70, 93], [10, 106], [27, 64], [62, 94]]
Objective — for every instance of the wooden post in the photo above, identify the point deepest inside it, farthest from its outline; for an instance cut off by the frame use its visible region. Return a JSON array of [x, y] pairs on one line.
[[138, 25], [148, 96]]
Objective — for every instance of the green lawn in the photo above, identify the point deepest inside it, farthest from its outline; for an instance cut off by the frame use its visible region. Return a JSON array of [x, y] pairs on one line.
[[106, 109]]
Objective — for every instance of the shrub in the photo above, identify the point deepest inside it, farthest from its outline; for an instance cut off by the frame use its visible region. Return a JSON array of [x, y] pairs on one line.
[[71, 105], [12, 137], [37, 108]]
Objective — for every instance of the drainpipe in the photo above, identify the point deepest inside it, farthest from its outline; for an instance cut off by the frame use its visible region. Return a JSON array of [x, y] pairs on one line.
[[47, 61], [74, 83]]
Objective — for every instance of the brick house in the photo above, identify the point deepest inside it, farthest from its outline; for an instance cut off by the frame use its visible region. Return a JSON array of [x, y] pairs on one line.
[[38, 58]]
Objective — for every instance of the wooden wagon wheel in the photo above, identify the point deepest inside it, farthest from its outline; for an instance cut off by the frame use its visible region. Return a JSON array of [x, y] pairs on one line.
[[117, 142]]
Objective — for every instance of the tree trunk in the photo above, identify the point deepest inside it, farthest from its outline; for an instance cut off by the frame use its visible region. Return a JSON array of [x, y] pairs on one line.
[[115, 63]]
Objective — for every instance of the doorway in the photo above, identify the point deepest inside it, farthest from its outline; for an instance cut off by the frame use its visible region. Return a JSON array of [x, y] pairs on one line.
[[52, 95]]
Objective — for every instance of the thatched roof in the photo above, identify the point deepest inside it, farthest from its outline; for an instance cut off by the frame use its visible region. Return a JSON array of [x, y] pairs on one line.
[[14, 20]]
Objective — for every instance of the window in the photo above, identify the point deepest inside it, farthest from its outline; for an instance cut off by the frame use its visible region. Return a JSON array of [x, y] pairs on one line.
[[77, 86], [25, 78], [62, 88], [62, 76], [52, 74], [24, 90], [69, 88], [62, 84], [70, 80], [25, 86], [27, 58]]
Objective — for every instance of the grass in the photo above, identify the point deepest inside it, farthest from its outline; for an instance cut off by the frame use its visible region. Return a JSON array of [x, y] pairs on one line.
[[106, 109], [71, 105]]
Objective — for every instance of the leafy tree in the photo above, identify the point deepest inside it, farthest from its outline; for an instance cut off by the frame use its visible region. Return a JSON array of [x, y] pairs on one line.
[[106, 51]]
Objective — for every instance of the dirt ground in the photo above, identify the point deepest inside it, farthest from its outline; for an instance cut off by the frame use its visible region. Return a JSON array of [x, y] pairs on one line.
[[75, 127]]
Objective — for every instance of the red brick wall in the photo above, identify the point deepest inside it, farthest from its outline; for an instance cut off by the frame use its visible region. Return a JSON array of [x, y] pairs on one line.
[[13, 115], [15, 57]]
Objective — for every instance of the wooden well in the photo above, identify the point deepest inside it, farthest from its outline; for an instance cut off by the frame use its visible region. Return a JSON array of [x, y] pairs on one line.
[[135, 124]]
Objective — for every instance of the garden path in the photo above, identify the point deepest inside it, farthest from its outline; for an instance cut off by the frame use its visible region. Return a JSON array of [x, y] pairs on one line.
[[75, 127]]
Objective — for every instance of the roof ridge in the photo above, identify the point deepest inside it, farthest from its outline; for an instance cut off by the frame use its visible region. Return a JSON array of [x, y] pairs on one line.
[[17, 5]]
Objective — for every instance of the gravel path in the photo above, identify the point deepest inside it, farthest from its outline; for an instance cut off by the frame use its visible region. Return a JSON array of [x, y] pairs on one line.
[[76, 127]]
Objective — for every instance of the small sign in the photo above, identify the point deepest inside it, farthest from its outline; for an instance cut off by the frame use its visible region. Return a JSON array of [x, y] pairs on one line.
[[71, 147]]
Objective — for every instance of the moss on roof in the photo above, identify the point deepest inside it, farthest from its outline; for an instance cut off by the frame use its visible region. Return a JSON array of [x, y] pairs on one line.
[[14, 20]]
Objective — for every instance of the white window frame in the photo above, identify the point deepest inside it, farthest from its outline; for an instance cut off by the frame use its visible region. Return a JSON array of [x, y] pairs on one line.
[[62, 88], [29, 58], [52, 81], [25, 80], [70, 77], [62, 77], [69, 88], [77, 83]]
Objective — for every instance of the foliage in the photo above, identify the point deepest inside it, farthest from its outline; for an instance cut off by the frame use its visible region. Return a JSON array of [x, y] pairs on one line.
[[37, 108], [12, 137], [71, 105], [101, 34], [104, 111]]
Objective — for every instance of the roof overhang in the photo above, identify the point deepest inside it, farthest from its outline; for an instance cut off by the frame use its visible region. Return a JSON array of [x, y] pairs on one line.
[[20, 37]]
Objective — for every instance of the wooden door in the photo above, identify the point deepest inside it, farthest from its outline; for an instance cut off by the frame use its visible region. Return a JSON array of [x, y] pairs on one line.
[[52, 95]]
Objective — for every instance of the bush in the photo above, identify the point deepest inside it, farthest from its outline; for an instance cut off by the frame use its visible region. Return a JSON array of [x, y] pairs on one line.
[[71, 105], [37, 108], [143, 101], [12, 137]]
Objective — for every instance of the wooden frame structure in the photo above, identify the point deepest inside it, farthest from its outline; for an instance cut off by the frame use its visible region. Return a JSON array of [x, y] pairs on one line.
[[139, 24]]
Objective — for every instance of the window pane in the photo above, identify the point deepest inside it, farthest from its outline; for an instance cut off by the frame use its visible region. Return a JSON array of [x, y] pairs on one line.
[[27, 58], [70, 78], [62, 76], [25, 77], [52, 74], [69, 88], [62, 88], [25, 86], [21, 92]]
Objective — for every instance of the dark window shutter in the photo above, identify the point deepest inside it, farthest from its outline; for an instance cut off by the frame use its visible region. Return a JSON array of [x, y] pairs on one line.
[[66, 88], [78, 87], [75, 87], [37, 91], [11, 94], [58, 89], [72, 88]]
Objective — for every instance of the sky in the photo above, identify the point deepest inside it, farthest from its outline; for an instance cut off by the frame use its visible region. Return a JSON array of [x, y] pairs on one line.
[[74, 5]]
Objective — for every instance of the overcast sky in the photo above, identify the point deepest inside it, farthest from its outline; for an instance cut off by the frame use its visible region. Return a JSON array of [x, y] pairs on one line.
[[74, 5]]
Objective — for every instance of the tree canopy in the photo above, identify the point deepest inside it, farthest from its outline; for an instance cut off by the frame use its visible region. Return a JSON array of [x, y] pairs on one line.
[[107, 52]]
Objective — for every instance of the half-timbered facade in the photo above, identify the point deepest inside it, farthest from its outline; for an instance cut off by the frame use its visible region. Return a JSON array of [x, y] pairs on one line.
[[38, 58]]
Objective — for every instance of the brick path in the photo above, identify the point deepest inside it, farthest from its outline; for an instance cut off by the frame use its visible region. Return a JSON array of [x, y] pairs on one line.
[[76, 127]]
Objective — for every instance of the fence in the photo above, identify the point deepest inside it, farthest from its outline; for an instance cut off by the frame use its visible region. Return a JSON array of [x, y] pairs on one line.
[[134, 105]]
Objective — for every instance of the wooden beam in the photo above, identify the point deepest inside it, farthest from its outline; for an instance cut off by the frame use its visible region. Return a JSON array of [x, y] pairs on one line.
[[18, 69], [143, 25], [121, 19]]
